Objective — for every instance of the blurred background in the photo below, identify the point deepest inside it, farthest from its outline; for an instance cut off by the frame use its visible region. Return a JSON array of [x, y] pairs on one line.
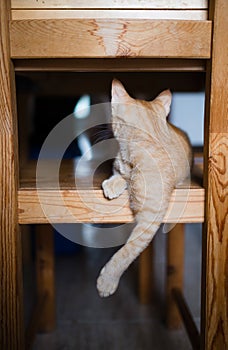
[[84, 321]]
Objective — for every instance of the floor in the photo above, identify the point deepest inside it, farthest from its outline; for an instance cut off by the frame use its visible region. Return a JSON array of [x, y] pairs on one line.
[[87, 322]]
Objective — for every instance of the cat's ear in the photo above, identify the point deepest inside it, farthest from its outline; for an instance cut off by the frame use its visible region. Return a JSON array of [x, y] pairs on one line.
[[165, 98], [119, 94]]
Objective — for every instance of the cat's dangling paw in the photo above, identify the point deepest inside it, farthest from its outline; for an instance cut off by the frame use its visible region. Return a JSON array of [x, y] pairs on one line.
[[113, 187], [106, 283]]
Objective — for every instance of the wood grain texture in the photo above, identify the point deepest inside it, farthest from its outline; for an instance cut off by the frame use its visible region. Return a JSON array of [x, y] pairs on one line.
[[11, 325], [73, 206], [45, 276], [215, 242], [216, 262], [110, 38], [174, 273], [111, 4], [86, 203], [144, 14]]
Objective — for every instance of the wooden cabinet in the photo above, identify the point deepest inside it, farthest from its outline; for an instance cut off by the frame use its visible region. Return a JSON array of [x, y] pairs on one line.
[[128, 36]]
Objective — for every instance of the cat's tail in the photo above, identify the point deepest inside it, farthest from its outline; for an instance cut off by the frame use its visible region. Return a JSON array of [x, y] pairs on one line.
[[139, 239]]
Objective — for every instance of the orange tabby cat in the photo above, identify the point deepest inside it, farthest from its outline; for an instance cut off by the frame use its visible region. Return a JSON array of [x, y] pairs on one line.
[[154, 156]]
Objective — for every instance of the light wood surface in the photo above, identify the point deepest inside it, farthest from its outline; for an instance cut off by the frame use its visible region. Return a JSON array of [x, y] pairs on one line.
[[215, 239], [149, 4], [72, 206], [45, 276], [11, 308], [110, 38], [86, 203], [174, 273], [117, 38], [144, 14]]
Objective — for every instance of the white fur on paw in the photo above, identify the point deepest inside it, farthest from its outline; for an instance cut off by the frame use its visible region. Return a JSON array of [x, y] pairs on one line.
[[106, 284], [113, 187], [109, 190]]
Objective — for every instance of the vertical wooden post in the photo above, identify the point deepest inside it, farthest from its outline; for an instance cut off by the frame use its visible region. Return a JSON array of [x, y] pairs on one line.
[[11, 320], [25, 110], [45, 276], [175, 273], [146, 275], [214, 324]]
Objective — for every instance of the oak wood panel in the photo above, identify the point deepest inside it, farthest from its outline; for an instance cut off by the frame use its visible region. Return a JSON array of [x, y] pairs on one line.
[[216, 326], [109, 65], [73, 206], [215, 239], [64, 202], [111, 4], [144, 14], [110, 38], [174, 273], [11, 320]]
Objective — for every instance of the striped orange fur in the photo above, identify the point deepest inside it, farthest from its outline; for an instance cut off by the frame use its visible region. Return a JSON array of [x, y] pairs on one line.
[[154, 156]]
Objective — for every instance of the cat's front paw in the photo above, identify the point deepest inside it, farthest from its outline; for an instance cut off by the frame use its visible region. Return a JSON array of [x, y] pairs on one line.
[[106, 283], [113, 187], [108, 189]]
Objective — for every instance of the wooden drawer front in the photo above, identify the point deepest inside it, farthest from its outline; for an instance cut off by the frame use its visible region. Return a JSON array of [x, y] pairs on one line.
[[65, 38]]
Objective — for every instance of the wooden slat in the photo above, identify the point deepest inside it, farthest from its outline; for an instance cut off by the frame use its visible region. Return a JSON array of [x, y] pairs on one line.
[[45, 276], [34, 321], [146, 279], [144, 14], [148, 4], [174, 273], [215, 239], [11, 305], [110, 38], [110, 65], [86, 203], [186, 315], [72, 206]]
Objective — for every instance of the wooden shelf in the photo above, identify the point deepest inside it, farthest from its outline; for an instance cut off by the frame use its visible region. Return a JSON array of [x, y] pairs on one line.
[[83, 201], [112, 4], [95, 13], [110, 37]]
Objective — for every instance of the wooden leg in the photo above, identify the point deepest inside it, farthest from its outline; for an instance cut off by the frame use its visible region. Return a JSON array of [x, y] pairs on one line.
[[175, 268], [146, 275], [11, 306], [26, 244], [214, 316], [45, 276]]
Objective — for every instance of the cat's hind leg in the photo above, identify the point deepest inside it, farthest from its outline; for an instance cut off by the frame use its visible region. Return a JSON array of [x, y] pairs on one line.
[[114, 186]]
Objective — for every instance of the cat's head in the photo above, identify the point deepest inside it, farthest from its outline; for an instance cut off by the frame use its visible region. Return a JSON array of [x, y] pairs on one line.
[[142, 115]]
